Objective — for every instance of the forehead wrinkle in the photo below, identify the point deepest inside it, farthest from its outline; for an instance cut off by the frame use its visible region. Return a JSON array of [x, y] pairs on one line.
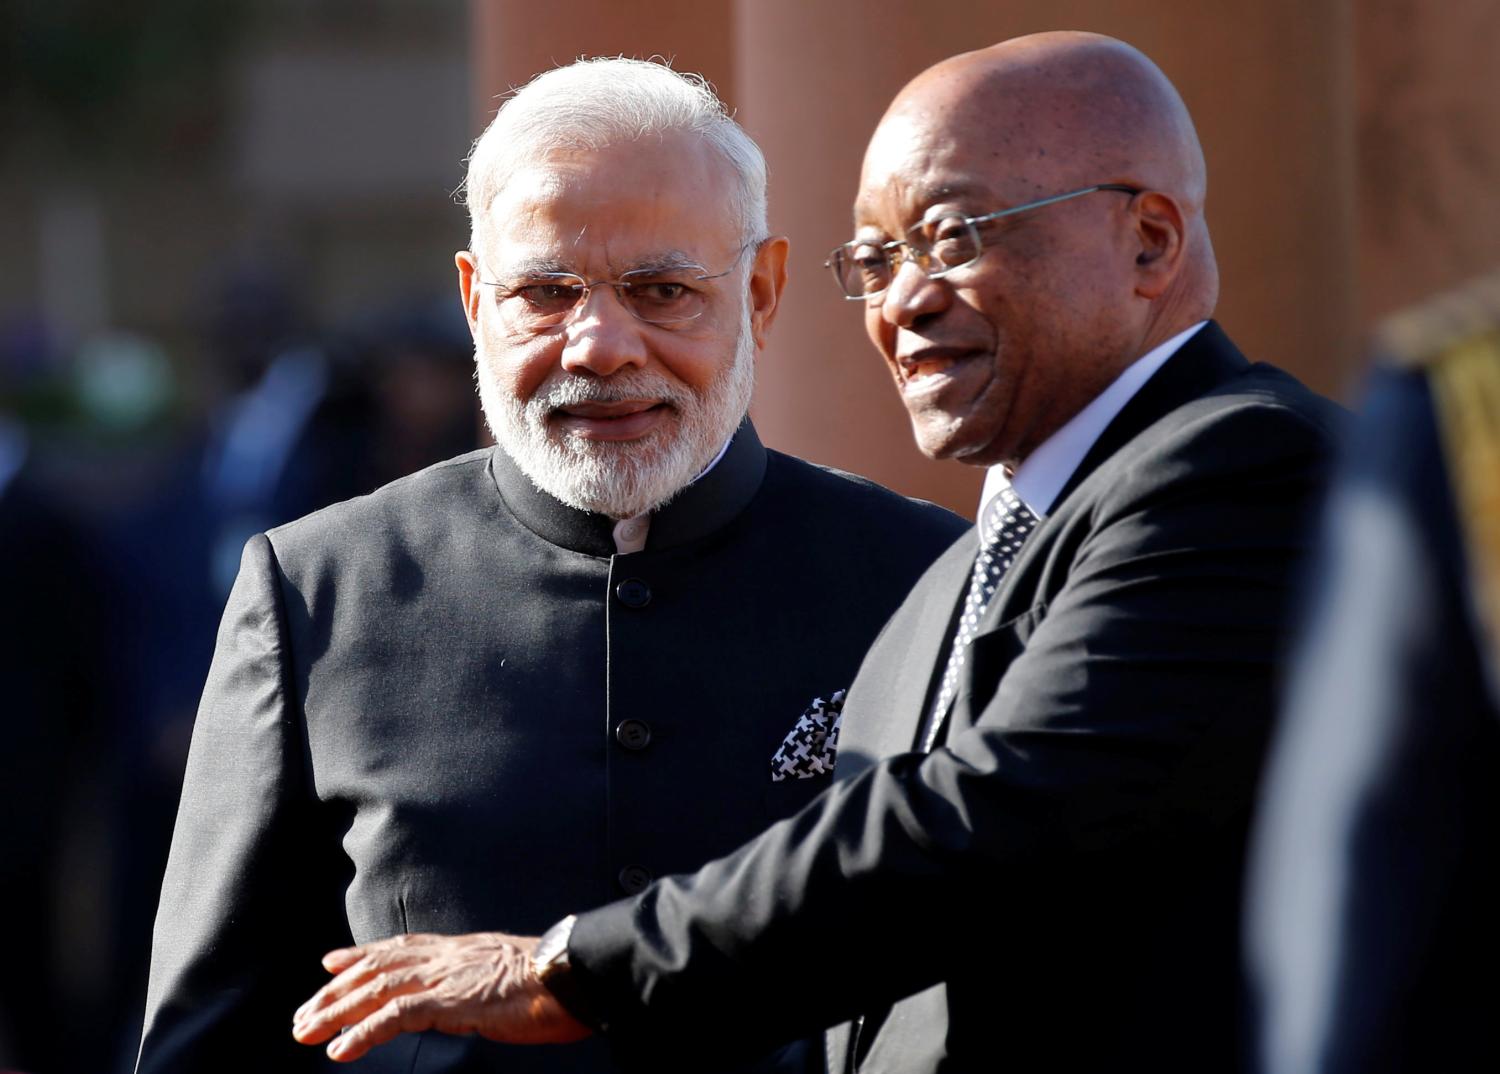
[[918, 198]]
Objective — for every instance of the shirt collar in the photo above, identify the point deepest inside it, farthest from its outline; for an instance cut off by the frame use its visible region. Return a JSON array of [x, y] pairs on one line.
[[1046, 470], [630, 533]]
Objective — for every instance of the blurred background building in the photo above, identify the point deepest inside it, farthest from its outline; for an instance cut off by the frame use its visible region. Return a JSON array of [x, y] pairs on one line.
[[227, 298]]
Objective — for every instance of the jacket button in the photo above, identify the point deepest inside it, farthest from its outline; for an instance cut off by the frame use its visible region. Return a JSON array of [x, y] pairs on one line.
[[633, 734], [633, 593], [635, 879]]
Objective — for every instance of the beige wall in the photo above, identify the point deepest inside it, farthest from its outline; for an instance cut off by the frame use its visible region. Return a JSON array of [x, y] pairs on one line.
[[1352, 156], [1428, 107]]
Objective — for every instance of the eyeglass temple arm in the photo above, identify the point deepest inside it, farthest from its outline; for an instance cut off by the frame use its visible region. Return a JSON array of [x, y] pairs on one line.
[[1121, 187]]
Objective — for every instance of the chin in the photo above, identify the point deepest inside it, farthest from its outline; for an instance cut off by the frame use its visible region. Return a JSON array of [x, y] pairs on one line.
[[944, 436], [620, 479]]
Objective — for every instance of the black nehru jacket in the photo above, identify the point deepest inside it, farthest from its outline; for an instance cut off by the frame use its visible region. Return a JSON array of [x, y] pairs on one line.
[[449, 707]]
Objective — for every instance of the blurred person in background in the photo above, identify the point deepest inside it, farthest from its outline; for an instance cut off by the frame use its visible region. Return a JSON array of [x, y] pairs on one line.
[[50, 729], [284, 427], [149, 283], [421, 372], [295, 434], [1372, 929], [539, 674]]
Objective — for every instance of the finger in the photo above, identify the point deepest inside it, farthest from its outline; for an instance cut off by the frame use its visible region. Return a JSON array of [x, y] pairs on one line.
[[372, 959], [340, 960], [363, 1001], [350, 979], [390, 947], [404, 1014]]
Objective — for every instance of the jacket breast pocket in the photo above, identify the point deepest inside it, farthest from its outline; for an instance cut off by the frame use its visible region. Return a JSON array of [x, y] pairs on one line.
[[990, 656]]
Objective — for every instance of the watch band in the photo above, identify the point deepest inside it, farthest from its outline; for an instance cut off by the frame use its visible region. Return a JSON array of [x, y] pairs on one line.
[[554, 970]]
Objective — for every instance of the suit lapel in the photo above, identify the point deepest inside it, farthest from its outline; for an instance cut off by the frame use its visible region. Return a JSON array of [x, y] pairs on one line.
[[892, 691], [896, 681], [1204, 362]]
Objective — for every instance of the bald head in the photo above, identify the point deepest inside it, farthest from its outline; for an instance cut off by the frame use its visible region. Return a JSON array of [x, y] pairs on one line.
[[1057, 111], [1105, 256], [1081, 103]]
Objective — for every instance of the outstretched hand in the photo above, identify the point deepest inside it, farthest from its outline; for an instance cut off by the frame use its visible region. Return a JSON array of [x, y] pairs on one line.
[[481, 983]]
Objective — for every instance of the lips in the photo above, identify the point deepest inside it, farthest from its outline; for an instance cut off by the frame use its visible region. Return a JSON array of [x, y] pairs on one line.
[[624, 419], [931, 364]]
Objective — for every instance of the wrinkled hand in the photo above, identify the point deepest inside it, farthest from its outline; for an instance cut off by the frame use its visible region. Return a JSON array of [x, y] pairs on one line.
[[481, 983]]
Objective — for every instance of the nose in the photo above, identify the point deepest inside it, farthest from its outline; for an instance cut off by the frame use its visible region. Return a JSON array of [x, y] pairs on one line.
[[604, 337], [912, 295]]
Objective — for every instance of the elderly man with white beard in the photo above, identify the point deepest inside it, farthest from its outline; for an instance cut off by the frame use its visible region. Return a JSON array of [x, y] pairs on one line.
[[541, 674]]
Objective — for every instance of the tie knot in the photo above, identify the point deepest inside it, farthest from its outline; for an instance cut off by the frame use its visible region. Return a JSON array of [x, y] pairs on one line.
[[1006, 518]]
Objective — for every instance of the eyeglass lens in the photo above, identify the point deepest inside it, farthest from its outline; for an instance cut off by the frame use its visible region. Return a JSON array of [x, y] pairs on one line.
[[938, 245], [543, 302]]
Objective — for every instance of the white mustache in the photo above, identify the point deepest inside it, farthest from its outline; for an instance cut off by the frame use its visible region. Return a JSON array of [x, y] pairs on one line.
[[570, 389]]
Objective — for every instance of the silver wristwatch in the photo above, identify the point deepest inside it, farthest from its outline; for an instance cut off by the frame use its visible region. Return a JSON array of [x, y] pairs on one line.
[[551, 965], [551, 954]]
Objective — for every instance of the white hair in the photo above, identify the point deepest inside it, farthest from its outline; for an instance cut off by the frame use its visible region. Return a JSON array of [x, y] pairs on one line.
[[595, 103]]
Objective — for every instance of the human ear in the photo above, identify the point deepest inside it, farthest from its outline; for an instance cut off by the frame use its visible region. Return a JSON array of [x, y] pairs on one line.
[[767, 281], [1160, 228], [468, 287]]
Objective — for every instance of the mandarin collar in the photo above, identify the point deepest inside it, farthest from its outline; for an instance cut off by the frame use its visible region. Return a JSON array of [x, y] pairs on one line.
[[704, 506]]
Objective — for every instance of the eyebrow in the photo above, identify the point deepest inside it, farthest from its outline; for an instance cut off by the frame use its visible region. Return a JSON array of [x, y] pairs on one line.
[[656, 261], [664, 261], [532, 266]]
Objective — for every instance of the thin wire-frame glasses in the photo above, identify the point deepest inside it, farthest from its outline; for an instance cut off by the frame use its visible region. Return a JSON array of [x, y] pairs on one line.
[[663, 295], [938, 245]]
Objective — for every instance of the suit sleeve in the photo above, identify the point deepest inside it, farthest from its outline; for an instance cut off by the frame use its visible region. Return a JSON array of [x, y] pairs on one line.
[[247, 906], [1128, 725]]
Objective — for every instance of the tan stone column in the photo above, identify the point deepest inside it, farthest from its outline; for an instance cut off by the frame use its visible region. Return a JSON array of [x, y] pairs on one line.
[[812, 80], [513, 40], [1428, 86], [1270, 86]]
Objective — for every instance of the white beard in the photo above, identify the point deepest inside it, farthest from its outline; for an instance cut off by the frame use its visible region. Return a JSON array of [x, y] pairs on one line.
[[620, 479]]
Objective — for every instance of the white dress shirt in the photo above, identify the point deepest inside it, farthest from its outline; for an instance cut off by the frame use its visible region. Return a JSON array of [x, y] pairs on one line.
[[1046, 470]]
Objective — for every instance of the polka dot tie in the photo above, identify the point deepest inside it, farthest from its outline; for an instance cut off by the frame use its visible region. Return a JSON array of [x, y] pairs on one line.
[[1002, 531]]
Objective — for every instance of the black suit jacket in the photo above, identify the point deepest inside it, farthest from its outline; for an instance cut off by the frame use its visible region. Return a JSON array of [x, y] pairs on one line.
[[1068, 860], [448, 707]]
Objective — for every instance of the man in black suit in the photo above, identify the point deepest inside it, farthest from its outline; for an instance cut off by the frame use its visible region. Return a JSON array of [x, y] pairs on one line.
[[541, 674], [1375, 878], [1045, 778]]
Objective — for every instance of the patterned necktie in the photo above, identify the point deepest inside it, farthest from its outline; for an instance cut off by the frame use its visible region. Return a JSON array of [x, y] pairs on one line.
[[1002, 531]]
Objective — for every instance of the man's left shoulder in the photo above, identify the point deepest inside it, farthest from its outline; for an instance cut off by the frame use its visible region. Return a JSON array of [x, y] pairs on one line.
[[1265, 408], [1259, 425], [1266, 385], [825, 493]]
